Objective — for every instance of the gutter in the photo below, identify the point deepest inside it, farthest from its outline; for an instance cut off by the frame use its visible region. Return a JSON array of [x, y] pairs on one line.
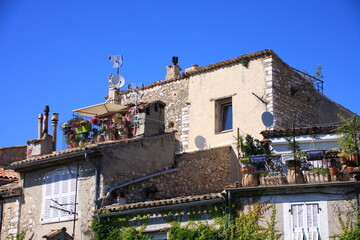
[[47, 160], [172, 206], [137, 180]]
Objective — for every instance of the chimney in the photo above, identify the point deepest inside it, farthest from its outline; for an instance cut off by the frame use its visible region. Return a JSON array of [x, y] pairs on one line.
[[46, 120], [173, 71], [54, 123], [40, 125], [192, 67]]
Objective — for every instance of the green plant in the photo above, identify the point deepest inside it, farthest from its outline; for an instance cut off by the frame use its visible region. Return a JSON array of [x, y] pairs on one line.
[[349, 131], [250, 146], [19, 236], [321, 171], [245, 62], [118, 116], [350, 229]]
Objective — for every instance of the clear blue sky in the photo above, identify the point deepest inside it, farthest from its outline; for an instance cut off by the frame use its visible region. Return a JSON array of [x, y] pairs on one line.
[[55, 52]]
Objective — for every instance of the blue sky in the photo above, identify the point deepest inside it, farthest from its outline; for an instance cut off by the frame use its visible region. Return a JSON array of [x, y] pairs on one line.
[[56, 52]]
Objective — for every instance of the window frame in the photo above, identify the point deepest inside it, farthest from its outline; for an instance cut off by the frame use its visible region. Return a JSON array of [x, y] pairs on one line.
[[59, 186], [220, 117]]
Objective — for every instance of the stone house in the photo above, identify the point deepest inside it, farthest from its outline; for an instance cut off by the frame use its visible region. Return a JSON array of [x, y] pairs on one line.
[[188, 152]]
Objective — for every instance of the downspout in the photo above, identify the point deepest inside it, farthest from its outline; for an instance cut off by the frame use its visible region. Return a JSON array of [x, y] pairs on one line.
[[97, 179]]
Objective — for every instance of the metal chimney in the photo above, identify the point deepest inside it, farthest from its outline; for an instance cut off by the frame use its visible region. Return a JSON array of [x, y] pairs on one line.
[[54, 124], [46, 119], [40, 125]]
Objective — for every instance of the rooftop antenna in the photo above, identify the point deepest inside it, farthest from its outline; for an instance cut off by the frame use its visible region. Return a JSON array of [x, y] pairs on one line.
[[135, 89], [116, 80]]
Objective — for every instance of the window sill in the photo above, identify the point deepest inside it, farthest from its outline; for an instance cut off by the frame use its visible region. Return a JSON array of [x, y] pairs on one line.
[[226, 131], [69, 220]]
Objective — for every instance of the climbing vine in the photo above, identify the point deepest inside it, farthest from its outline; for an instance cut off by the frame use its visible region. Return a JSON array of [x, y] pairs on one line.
[[249, 224]]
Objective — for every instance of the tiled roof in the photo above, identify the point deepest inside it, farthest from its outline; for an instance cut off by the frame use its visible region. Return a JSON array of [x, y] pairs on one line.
[[55, 232], [265, 52], [10, 190], [300, 131], [8, 174], [73, 152], [157, 203]]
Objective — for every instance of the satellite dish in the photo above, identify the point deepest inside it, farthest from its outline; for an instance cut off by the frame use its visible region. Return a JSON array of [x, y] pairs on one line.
[[200, 142], [267, 119], [117, 81]]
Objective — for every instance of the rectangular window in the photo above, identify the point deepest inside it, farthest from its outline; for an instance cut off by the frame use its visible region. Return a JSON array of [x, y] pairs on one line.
[[223, 115], [305, 221], [59, 193]]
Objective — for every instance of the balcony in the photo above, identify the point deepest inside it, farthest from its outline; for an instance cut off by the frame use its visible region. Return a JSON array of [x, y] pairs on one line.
[[308, 167]]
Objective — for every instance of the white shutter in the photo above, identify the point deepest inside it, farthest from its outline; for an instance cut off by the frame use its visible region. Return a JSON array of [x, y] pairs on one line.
[[297, 211], [47, 198], [312, 212], [59, 191]]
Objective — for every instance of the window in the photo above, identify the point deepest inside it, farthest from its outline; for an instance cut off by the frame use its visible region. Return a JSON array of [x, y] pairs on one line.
[[305, 221], [59, 191], [223, 115]]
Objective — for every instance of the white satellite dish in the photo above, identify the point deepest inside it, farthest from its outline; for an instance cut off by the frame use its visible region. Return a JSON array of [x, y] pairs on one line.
[[267, 119], [117, 81]]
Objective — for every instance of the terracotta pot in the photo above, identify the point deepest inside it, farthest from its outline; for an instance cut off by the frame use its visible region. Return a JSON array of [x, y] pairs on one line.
[[295, 177], [333, 171], [352, 158], [350, 168], [250, 180]]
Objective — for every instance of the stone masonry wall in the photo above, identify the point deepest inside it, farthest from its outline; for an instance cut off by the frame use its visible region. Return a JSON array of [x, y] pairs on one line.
[[9, 226], [295, 100], [200, 172], [128, 161], [174, 95]]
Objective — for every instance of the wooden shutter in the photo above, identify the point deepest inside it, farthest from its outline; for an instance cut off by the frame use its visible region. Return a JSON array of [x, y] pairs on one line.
[[312, 221], [297, 212], [47, 198]]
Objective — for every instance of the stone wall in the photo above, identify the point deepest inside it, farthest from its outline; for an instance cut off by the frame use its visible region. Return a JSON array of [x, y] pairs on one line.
[[126, 161], [295, 100], [12, 154], [10, 218], [201, 172], [174, 94]]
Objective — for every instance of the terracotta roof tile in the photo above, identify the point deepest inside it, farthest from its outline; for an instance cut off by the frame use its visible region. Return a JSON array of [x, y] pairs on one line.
[[163, 202], [265, 52], [8, 174]]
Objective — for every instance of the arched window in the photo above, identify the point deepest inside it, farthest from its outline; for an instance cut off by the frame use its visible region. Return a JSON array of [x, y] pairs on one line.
[[59, 191]]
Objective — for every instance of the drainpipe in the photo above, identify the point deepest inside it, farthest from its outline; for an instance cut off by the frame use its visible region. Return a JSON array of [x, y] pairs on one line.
[[40, 125], [97, 179], [54, 123]]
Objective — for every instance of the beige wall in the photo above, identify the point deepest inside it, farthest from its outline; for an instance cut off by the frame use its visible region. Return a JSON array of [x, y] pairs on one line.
[[247, 109]]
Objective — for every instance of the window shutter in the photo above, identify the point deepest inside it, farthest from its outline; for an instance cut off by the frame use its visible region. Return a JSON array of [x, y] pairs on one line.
[[312, 211], [59, 191], [47, 198]]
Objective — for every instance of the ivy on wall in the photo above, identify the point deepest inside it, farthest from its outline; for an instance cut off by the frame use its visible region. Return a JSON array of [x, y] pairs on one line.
[[249, 224]]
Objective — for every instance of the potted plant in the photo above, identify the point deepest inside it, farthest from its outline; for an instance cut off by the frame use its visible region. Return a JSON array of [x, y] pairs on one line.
[[331, 153], [343, 156], [83, 127], [349, 140]]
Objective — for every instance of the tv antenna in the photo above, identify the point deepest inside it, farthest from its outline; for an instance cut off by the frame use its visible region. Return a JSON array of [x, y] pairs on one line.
[[135, 89], [117, 81]]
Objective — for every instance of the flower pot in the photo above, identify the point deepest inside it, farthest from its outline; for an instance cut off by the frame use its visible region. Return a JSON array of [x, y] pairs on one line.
[[333, 171], [250, 180], [350, 169], [83, 129], [295, 177], [352, 158]]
